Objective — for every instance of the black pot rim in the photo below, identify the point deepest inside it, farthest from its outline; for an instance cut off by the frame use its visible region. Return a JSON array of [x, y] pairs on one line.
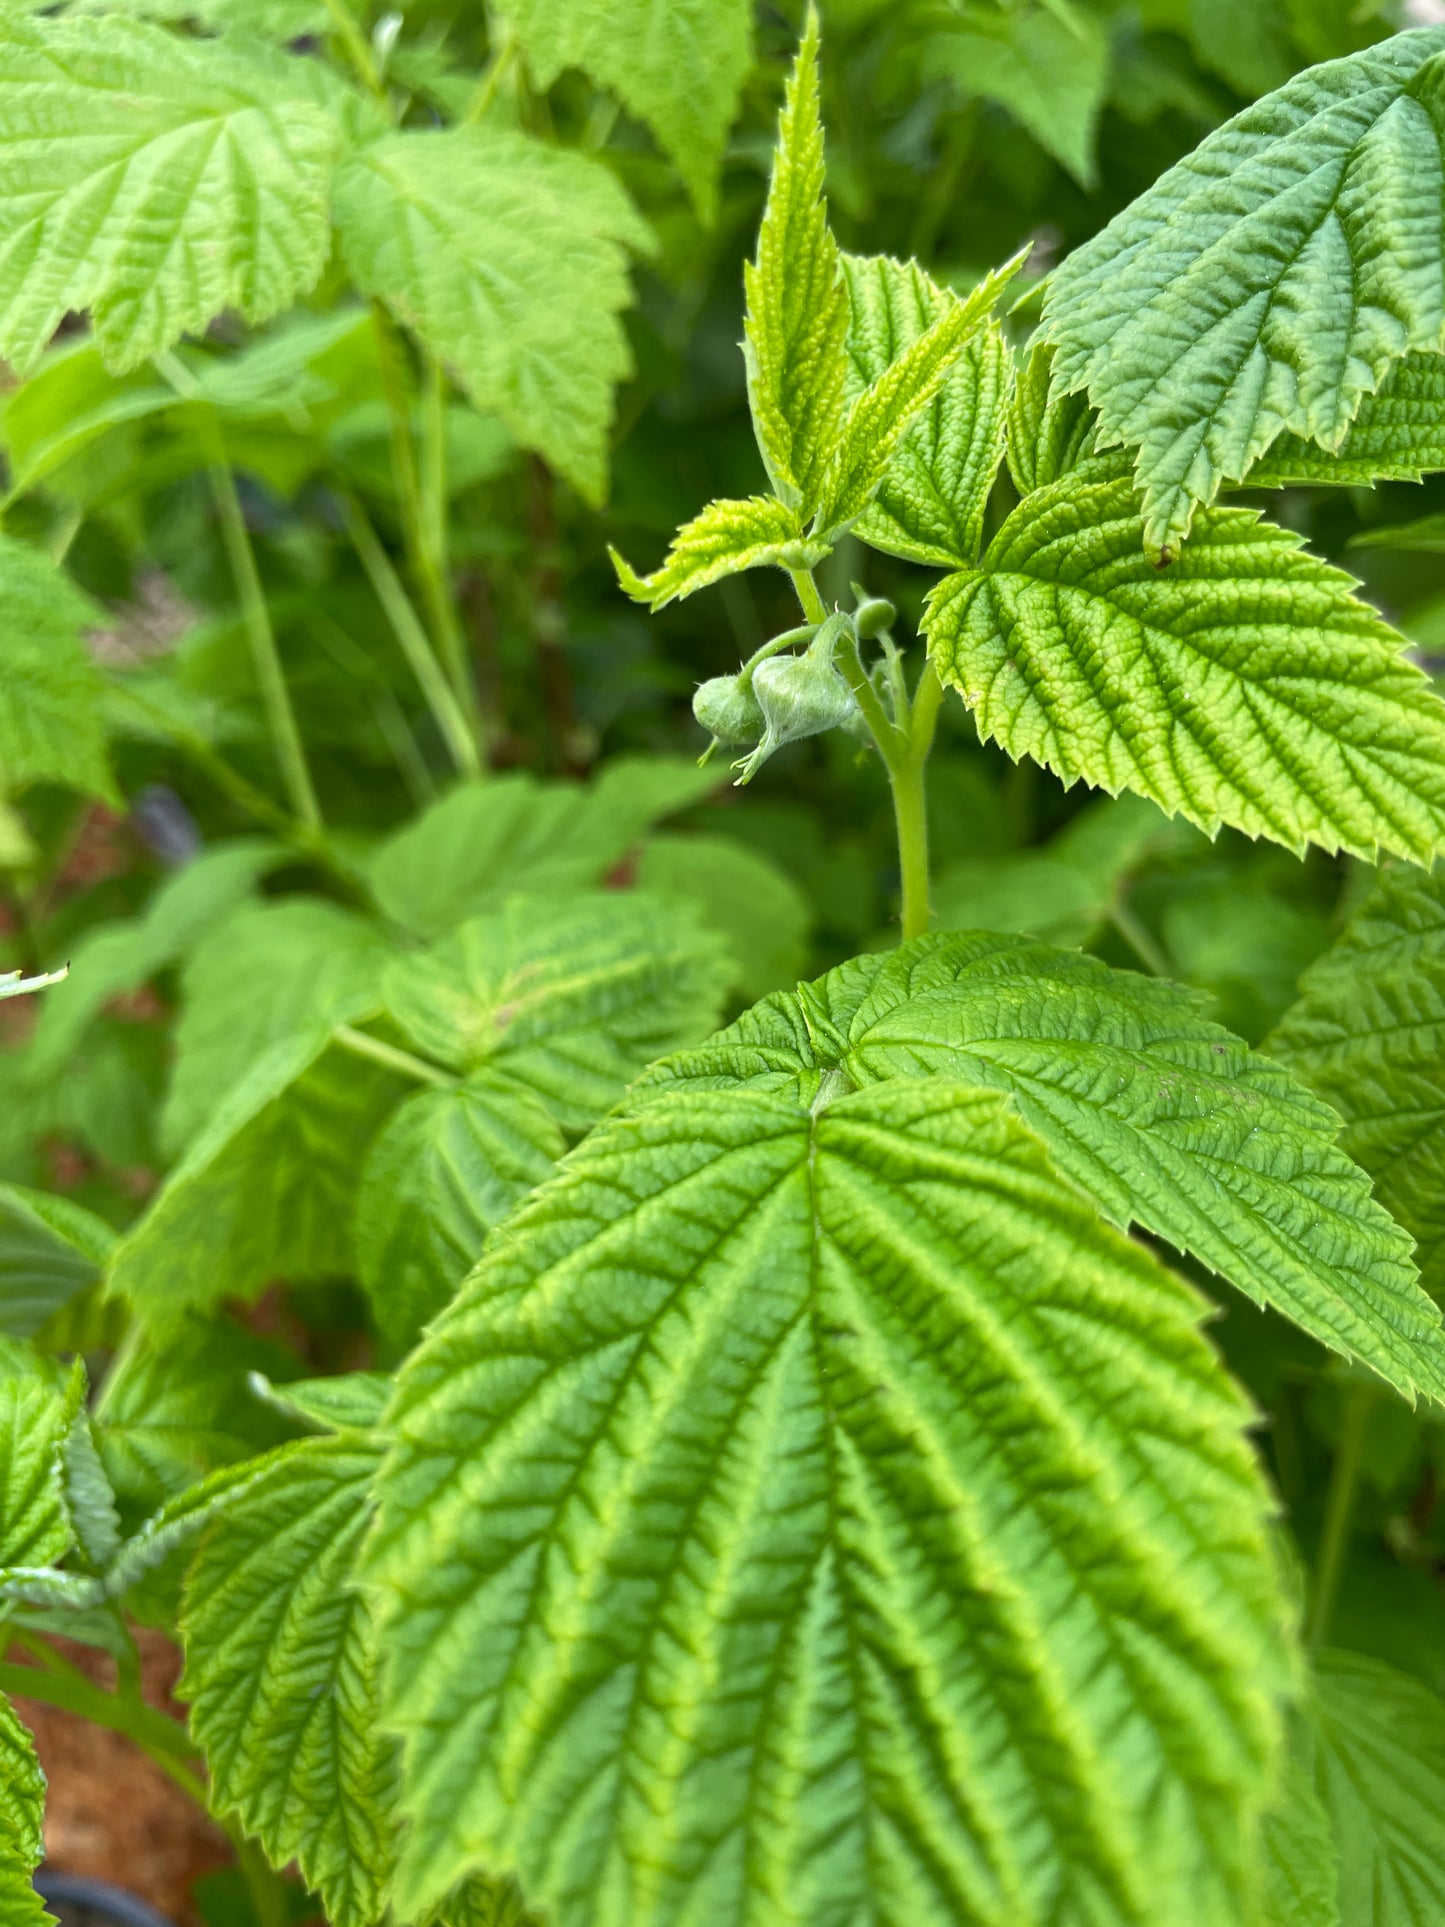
[[114, 1903]]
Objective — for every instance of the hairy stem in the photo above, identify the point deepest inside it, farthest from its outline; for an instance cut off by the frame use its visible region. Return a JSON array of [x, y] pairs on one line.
[[441, 698], [807, 588], [1339, 1512], [361, 1044]]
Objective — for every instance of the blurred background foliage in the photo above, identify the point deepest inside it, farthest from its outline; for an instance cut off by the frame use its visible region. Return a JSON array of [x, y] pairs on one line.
[[958, 130]]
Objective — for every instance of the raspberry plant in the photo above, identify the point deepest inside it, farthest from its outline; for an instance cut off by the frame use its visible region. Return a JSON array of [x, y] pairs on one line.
[[796, 1484]]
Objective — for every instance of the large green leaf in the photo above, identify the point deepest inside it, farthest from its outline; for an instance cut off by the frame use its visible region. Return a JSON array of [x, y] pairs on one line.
[[797, 304], [1244, 684], [489, 841], [1398, 436], [1164, 1118], [508, 258], [744, 896], [266, 1190], [818, 1514], [1268, 281], [51, 729], [1368, 1033], [931, 504], [1379, 1770], [22, 1812], [155, 181], [680, 67], [268, 973], [281, 1675], [50, 1251], [447, 1167]]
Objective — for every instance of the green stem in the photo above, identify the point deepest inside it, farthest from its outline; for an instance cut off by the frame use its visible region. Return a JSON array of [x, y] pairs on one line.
[[361, 1044], [270, 1900], [64, 1686], [1339, 1512], [358, 49], [1136, 934], [498, 67], [807, 588], [416, 646]]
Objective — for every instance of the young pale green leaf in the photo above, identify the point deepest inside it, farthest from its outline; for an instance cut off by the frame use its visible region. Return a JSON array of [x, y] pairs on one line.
[[1379, 1771], [94, 1525], [1046, 62], [22, 1815], [569, 997], [879, 418], [172, 1412], [154, 181], [1368, 1033], [680, 67], [266, 1190], [1052, 434], [1301, 1867], [930, 504], [270, 972], [487, 842], [448, 1166], [508, 258], [1398, 435], [1268, 281], [743, 895], [34, 1528], [821, 1515], [51, 1250], [1244, 684], [728, 536], [1166, 1120], [281, 1675], [51, 728], [797, 320], [352, 1402]]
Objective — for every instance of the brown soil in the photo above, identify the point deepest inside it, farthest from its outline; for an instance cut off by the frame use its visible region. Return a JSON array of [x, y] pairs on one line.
[[110, 1813]]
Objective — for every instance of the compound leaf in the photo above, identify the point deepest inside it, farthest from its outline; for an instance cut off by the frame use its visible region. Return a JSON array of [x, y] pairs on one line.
[[797, 305], [508, 258], [51, 1250], [727, 536], [448, 1166], [1244, 684], [51, 728], [774, 1514], [22, 1815], [1379, 1771], [154, 181], [1268, 281], [930, 505], [1368, 1033], [281, 1674], [570, 997], [1165, 1119], [679, 67]]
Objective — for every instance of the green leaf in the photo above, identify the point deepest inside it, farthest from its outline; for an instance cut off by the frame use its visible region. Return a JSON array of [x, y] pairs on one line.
[[116, 958], [570, 997], [448, 1166], [774, 1529], [797, 304], [727, 537], [22, 1815], [1244, 684], [281, 1675], [34, 1529], [50, 1251], [50, 694], [1048, 66], [1050, 433], [482, 1902], [930, 505], [94, 1525], [282, 19], [1424, 536], [1368, 1033], [490, 841], [269, 973], [1163, 1118], [508, 258], [1396, 436], [680, 68], [743, 895], [1268, 281], [1245, 41], [154, 181], [266, 1190], [1301, 1867], [1379, 1770], [879, 417], [352, 1402]]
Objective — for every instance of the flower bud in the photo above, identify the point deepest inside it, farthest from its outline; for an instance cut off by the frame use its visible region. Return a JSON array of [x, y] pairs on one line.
[[727, 708], [800, 695], [873, 615]]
